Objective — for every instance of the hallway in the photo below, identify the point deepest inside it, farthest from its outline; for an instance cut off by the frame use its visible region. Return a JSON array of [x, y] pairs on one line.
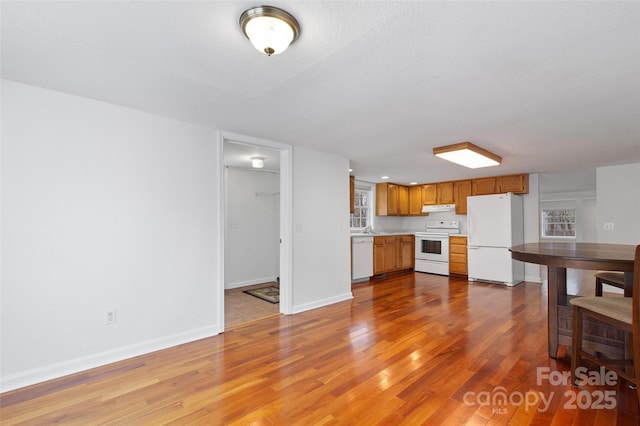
[[241, 308]]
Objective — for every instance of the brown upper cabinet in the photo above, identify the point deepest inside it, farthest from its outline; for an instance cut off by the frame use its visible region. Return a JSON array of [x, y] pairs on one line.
[[415, 201], [429, 194], [393, 207], [517, 184], [437, 193], [461, 190], [388, 198], [403, 200], [400, 200], [445, 192], [484, 186]]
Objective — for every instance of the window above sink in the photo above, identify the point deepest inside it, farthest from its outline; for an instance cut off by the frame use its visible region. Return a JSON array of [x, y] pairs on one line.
[[361, 218]]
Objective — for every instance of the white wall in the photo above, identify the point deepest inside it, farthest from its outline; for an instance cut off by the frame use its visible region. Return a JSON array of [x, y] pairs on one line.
[[103, 208], [568, 181], [321, 261], [530, 205], [584, 203], [619, 203], [252, 240], [589, 220], [573, 189]]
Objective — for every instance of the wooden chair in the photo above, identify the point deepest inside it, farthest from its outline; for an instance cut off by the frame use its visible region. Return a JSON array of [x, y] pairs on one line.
[[620, 312], [615, 279]]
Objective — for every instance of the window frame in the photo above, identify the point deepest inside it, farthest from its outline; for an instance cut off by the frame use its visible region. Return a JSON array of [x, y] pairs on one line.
[[370, 201], [544, 214]]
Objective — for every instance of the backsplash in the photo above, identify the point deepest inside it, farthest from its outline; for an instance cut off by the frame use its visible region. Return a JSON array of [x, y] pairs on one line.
[[415, 224]]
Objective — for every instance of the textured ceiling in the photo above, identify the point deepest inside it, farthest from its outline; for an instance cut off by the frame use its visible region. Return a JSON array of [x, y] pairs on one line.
[[549, 86]]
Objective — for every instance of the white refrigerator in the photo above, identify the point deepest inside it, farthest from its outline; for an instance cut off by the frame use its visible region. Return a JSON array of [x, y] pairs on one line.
[[494, 223]]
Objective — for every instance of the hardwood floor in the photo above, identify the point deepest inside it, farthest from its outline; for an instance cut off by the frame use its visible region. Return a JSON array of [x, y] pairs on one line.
[[410, 349]]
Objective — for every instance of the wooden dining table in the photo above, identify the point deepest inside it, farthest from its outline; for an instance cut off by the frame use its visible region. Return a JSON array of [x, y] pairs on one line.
[[558, 257]]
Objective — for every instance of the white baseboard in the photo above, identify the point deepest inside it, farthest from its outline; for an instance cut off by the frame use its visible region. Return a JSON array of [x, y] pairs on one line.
[[41, 374], [320, 303], [533, 279], [229, 286]]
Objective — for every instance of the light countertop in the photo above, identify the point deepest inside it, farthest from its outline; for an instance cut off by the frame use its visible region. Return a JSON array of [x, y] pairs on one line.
[[381, 233]]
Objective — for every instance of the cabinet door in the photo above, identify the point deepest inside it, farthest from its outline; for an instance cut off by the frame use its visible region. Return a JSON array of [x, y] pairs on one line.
[[381, 199], [429, 194], [387, 199], [393, 206], [518, 184], [378, 255], [445, 192], [484, 186], [406, 252], [390, 253], [461, 190], [415, 200], [403, 200]]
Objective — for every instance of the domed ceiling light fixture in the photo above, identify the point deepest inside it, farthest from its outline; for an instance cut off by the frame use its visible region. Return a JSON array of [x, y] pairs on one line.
[[257, 162], [270, 29]]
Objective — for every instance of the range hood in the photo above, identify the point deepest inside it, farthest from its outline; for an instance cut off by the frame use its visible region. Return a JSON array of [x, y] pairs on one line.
[[438, 208]]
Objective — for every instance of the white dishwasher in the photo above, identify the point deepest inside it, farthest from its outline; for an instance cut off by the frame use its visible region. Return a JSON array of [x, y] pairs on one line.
[[361, 258]]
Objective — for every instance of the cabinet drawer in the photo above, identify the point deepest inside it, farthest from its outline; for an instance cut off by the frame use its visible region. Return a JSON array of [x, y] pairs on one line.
[[458, 268], [458, 257], [458, 249], [458, 239]]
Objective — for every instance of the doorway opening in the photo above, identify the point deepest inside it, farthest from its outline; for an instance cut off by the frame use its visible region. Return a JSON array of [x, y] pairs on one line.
[[255, 210]]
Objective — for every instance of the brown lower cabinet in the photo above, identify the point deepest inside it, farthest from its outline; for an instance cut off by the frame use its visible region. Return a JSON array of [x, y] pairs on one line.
[[458, 255], [393, 253]]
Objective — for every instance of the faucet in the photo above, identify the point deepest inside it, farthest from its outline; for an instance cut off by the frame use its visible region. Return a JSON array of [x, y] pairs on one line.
[[367, 230]]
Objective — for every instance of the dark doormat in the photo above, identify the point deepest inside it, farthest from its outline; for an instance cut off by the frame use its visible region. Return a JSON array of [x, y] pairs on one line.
[[270, 294]]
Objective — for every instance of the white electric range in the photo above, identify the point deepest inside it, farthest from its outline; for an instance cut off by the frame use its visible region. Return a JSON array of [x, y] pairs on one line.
[[432, 246]]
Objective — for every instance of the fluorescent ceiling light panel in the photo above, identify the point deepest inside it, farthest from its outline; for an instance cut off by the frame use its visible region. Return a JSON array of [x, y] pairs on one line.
[[468, 155]]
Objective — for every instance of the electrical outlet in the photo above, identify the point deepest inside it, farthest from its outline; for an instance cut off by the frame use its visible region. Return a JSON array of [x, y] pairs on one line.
[[609, 227], [110, 317]]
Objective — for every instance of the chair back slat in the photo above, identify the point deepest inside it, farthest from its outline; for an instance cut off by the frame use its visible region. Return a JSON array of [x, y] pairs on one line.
[[636, 317], [636, 290]]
